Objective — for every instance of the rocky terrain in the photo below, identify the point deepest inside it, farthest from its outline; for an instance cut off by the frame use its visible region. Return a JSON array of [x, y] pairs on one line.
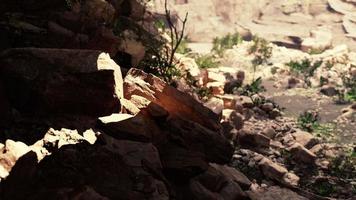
[[84, 117], [291, 23]]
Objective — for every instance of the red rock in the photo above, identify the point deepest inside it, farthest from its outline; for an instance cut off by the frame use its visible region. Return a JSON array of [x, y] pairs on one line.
[[178, 104]]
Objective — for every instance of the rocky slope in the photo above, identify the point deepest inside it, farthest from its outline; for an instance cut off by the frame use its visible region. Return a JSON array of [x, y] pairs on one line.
[[79, 121]]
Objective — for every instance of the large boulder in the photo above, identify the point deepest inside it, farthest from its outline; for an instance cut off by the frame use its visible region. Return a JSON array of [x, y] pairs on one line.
[[113, 169], [61, 81], [319, 40], [178, 104], [215, 184], [129, 127], [191, 135]]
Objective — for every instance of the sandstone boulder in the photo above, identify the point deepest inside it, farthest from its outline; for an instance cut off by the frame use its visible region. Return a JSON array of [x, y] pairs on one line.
[[319, 40], [301, 154], [177, 103]]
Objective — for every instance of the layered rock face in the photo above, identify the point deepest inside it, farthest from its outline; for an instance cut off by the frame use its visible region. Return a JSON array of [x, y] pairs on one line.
[[293, 23]]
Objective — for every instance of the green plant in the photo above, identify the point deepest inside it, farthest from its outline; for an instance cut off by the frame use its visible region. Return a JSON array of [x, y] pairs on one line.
[[324, 188], [315, 51], [160, 57], [305, 67], [261, 50], [344, 166], [254, 88], [69, 4], [206, 61], [323, 81], [350, 85], [226, 42], [308, 121], [325, 130], [204, 93]]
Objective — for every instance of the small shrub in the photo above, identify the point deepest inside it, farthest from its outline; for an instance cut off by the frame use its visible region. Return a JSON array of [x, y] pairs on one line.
[[304, 67], [261, 50], [204, 93], [324, 188], [206, 61], [325, 131], [251, 89], [160, 55], [308, 121], [323, 81], [344, 166], [350, 85], [226, 42]]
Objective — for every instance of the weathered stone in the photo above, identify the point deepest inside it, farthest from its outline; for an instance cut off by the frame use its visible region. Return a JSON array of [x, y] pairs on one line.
[[234, 175], [300, 153], [216, 87], [231, 116], [292, 82], [269, 132], [272, 170], [320, 40], [216, 185], [304, 138], [175, 102], [190, 135], [277, 172], [129, 127], [229, 101], [216, 105], [246, 102], [60, 81], [216, 77], [253, 140], [267, 107], [329, 90]]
